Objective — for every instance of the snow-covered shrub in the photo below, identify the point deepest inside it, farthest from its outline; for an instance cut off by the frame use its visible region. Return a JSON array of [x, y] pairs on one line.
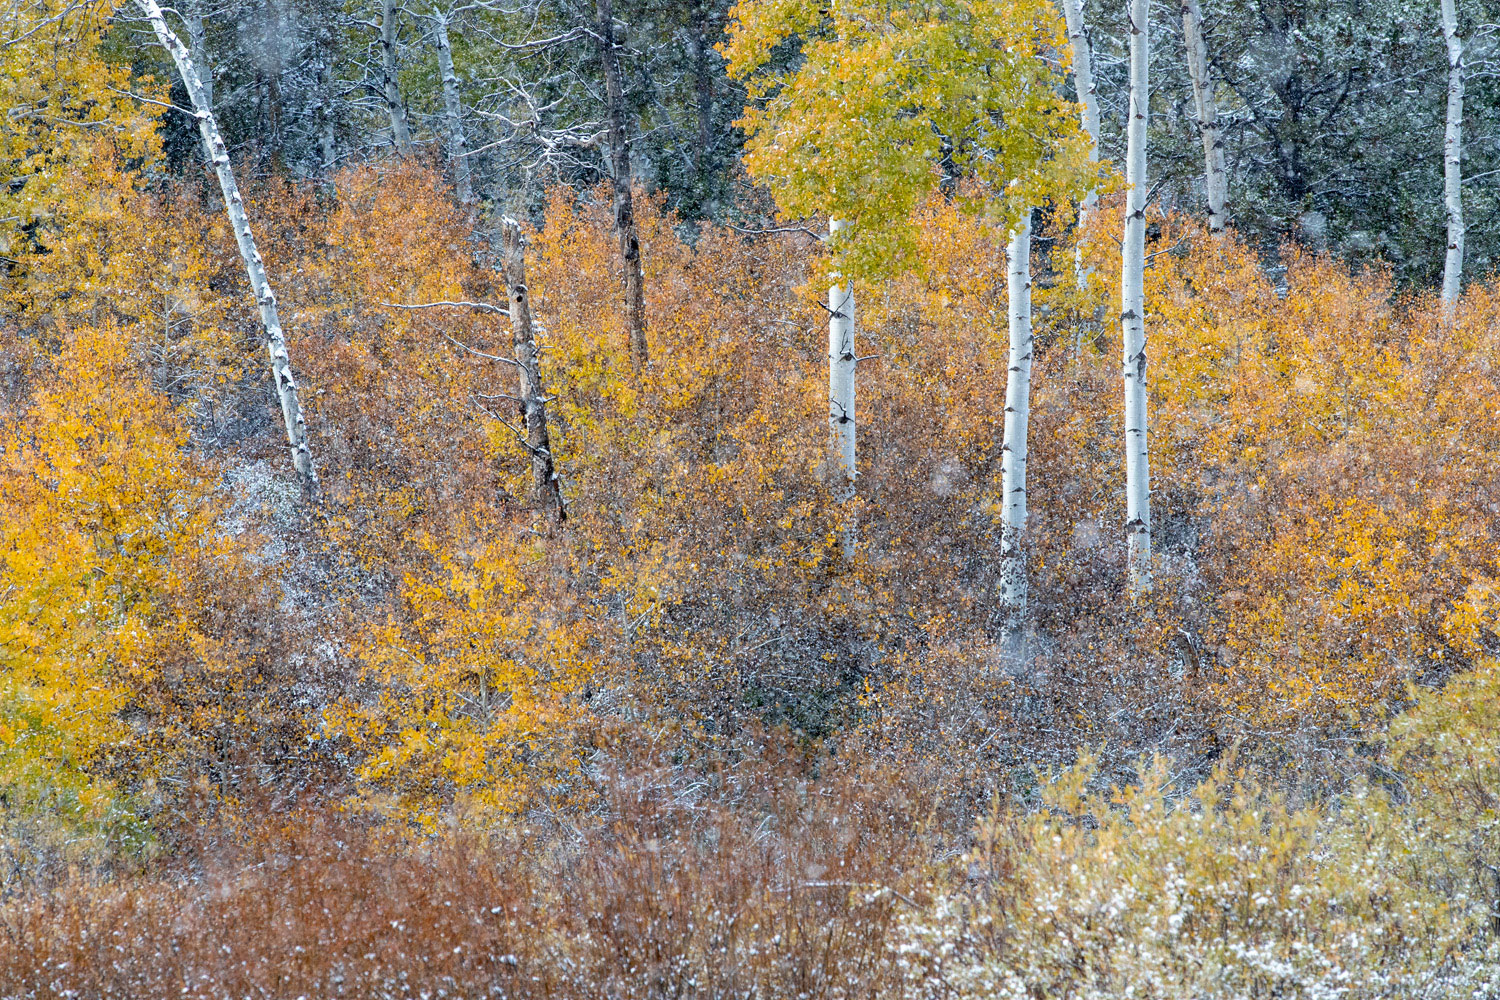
[[1393, 890]]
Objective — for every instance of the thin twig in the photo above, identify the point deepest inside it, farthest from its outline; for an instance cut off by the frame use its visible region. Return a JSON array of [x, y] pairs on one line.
[[481, 306], [1174, 246], [151, 100], [492, 357], [782, 229]]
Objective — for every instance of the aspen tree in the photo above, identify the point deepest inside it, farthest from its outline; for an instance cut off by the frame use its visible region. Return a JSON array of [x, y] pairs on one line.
[[453, 111], [1013, 582], [619, 156], [390, 80], [841, 390], [533, 398], [1089, 116], [1215, 179], [1088, 103], [214, 150], [854, 129], [1133, 308], [853, 132], [192, 19], [1453, 148], [1088, 97], [842, 395]]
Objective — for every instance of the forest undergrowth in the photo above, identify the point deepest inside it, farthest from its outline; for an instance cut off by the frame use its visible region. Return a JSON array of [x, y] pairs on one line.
[[421, 739]]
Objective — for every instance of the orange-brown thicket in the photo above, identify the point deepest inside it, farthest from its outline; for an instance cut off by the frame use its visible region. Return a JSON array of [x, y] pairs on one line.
[[588, 698], [1324, 465], [750, 881]]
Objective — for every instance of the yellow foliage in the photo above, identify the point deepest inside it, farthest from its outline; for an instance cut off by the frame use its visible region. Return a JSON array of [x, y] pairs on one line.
[[888, 96], [70, 126], [475, 703], [103, 516], [1315, 472]]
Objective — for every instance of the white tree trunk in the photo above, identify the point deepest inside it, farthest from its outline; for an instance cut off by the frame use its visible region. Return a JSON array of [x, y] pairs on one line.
[[400, 134], [841, 364], [1013, 582], [213, 148], [1083, 78], [1453, 148], [533, 399], [1088, 99], [1215, 179], [457, 147], [198, 52], [1133, 308]]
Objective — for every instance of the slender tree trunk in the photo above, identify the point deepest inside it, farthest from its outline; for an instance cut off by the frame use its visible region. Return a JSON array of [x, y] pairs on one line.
[[272, 53], [213, 148], [1013, 582], [619, 154], [400, 134], [704, 84], [198, 52], [533, 399], [327, 135], [457, 146], [841, 394], [1453, 149], [1133, 308], [327, 132], [617, 114], [1215, 179], [1083, 78], [1088, 99]]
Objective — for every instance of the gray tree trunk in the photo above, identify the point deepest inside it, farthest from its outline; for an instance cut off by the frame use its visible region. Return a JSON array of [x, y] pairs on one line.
[[400, 133], [1453, 150], [1215, 179], [1088, 99], [533, 399], [842, 362], [198, 51], [1083, 78], [327, 125], [1013, 581], [458, 150], [617, 115]]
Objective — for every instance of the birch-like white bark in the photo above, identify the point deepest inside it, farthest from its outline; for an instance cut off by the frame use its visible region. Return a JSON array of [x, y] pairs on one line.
[[1133, 308], [458, 150], [1013, 582], [1088, 99], [400, 133], [1453, 148], [192, 18], [1083, 79], [1215, 179], [214, 150], [841, 365], [533, 399]]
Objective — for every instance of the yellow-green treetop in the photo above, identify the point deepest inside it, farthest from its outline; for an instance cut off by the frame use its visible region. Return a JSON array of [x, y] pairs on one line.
[[889, 98]]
